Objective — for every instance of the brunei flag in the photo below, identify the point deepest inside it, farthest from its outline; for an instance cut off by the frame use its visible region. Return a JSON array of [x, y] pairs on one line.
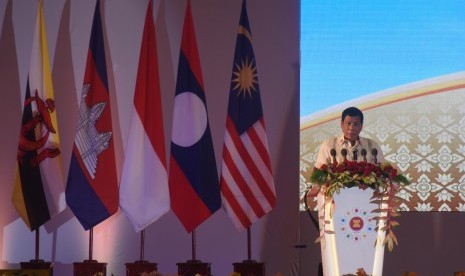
[[38, 192], [92, 188], [193, 178]]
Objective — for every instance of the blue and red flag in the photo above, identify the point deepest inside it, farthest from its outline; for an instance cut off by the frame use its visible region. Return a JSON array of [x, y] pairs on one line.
[[247, 185], [92, 188], [193, 178]]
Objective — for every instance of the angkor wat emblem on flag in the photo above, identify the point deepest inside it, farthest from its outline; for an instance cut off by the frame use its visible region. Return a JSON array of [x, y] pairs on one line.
[[89, 142]]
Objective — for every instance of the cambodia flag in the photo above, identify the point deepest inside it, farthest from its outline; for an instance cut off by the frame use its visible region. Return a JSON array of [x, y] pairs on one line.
[[247, 184], [92, 188], [193, 178]]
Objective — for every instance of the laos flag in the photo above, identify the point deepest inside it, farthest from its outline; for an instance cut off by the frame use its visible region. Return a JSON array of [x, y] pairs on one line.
[[193, 178], [92, 188]]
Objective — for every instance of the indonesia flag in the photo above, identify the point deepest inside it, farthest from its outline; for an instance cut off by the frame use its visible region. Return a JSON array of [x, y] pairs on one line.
[[92, 188], [144, 193], [247, 185], [38, 192], [193, 178]]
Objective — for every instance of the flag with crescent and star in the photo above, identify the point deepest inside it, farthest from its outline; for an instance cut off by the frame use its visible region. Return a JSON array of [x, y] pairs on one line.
[[247, 185], [38, 191]]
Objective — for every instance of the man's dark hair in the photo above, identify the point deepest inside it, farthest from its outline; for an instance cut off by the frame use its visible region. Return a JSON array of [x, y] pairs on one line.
[[352, 112]]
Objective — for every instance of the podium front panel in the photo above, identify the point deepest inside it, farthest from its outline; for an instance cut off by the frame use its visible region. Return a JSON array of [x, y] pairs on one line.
[[352, 246]]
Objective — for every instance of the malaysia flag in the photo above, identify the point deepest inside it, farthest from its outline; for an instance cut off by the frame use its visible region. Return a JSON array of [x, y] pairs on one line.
[[92, 188], [144, 194], [247, 185], [193, 177]]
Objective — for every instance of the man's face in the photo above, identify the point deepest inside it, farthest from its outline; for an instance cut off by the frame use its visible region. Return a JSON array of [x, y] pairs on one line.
[[351, 127]]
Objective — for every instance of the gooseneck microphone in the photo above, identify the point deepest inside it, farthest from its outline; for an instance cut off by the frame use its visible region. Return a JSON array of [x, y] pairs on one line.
[[355, 154], [333, 155], [363, 152], [344, 154], [374, 152]]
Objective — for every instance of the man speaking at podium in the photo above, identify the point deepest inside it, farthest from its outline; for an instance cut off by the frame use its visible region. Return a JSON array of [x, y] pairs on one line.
[[349, 146]]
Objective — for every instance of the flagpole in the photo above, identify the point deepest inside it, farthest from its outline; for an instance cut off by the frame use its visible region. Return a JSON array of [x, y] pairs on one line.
[[37, 245], [91, 241], [141, 265], [142, 240], [193, 246], [85, 267], [249, 266], [37, 263], [194, 266], [249, 250]]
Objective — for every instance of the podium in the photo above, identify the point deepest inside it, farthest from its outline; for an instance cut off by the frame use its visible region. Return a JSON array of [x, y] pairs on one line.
[[352, 245]]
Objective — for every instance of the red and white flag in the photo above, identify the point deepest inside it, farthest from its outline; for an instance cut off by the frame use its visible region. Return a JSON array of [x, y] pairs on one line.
[[144, 192]]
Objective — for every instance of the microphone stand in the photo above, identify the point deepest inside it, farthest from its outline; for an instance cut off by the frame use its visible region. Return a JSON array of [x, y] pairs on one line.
[[363, 152], [344, 155], [355, 155], [374, 152], [307, 209], [316, 224]]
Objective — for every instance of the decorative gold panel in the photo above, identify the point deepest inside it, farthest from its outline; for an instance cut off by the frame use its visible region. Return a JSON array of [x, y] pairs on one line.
[[421, 130]]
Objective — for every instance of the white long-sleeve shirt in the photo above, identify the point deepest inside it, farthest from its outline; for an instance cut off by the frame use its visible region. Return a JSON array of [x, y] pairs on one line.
[[339, 143]]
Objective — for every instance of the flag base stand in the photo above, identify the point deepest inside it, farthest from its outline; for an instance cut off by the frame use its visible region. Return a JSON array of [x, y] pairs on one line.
[[193, 267], [250, 267], [140, 267], [38, 265], [90, 267]]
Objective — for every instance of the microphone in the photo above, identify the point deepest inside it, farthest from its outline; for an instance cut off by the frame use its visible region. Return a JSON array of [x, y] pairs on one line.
[[344, 154], [374, 152], [355, 153], [363, 152], [333, 154]]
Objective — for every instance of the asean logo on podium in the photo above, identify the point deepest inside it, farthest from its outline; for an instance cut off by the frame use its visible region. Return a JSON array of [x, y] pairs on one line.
[[356, 224]]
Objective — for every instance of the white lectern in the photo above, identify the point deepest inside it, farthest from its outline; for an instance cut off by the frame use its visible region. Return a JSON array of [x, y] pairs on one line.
[[352, 245]]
